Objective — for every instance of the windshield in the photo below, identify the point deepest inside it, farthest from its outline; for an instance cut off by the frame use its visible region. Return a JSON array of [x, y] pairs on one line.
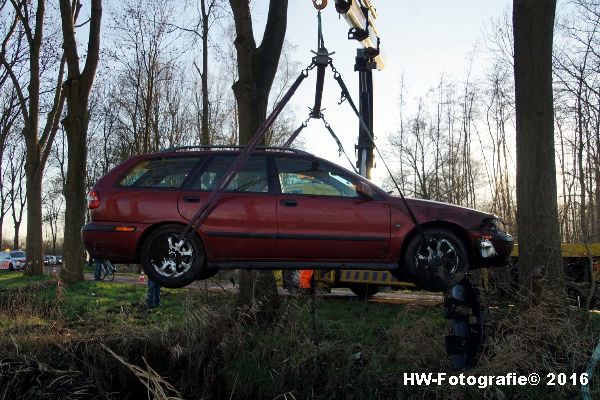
[[17, 254]]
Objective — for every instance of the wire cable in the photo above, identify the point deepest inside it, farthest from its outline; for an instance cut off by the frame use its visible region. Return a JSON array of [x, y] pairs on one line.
[[346, 96]]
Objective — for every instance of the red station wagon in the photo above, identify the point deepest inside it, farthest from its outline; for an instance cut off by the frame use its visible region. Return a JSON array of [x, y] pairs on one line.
[[285, 209]]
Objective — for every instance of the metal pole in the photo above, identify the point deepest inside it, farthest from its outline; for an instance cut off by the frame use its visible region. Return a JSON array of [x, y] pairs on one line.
[[365, 146]]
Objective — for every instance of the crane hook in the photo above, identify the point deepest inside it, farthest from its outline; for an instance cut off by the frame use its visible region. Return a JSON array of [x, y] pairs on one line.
[[319, 4]]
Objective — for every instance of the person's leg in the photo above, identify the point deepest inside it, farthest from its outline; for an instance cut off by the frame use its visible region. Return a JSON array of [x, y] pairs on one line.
[[150, 297], [156, 294], [97, 266]]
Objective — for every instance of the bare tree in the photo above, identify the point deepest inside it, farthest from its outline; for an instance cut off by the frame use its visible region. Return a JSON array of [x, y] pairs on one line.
[[435, 160], [77, 88], [537, 215], [16, 194], [210, 12], [499, 116], [26, 78], [53, 203], [577, 70], [8, 117], [147, 47]]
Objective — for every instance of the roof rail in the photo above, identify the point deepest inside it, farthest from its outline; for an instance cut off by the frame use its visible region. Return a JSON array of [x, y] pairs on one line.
[[227, 147]]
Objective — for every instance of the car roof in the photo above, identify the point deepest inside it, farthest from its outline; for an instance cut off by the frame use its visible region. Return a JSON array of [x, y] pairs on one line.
[[230, 149]]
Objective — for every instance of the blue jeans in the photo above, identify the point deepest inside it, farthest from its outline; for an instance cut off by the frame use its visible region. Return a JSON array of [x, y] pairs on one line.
[[153, 298], [97, 268]]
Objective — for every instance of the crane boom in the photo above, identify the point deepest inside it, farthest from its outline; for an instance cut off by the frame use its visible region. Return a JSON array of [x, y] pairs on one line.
[[360, 16]]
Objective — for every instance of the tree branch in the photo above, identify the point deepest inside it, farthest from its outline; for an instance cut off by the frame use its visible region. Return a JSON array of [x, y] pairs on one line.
[[56, 111], [69, 43], [93, 53], [24, 21], [11, 73], [243, 22], [272, 43]]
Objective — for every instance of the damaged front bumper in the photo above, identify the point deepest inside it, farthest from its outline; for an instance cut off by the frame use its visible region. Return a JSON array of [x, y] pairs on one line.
[[491, 249]]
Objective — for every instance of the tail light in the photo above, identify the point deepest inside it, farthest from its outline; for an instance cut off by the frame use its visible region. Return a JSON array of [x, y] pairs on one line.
[[93, 199]]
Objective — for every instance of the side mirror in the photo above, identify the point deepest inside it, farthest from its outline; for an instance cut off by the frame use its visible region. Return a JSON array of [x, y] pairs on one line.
[[365, 190]]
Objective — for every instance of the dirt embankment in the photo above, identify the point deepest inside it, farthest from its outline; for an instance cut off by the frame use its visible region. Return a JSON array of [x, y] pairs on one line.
[[356, 350]]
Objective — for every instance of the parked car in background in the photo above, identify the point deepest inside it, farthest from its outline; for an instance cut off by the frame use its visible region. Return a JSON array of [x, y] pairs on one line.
[[50, 260], [59, 260], [285, 209], [12, 260]]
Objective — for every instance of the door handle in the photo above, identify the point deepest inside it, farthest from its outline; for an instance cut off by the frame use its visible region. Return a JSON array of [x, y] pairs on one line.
[[288, 202], [191, 199]]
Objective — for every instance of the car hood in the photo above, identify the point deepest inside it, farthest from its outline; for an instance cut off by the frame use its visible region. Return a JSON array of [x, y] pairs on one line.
[[429, 210]]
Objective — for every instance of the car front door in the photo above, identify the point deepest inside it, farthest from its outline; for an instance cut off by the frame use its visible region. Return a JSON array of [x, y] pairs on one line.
[[244, 223], [320, 215]]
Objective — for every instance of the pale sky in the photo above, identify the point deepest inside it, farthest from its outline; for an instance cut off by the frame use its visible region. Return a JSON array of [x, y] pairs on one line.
[[421, 39]]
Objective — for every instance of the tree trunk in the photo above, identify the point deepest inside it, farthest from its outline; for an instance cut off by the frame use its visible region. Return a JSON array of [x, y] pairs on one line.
[[17, 227], [34, 242], [77, 90], [256, 70], [537, 212], [75, 124]]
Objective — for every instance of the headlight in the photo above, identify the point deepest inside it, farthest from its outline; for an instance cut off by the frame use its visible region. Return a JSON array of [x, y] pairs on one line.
[[494, 225]]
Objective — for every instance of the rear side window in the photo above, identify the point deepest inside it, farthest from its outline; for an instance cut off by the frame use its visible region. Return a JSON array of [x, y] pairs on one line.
[[160, 172], [251, 178]]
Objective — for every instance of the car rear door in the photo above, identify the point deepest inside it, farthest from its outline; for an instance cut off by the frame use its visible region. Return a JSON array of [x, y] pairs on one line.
[[320, 215], [244, 223]]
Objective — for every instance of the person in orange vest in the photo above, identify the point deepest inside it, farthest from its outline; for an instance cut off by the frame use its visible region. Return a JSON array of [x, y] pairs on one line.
[[305, 278]]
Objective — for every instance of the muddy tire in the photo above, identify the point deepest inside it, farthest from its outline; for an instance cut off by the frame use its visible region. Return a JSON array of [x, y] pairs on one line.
[[364, 291], [469, 314], [172, 261], [438, 263]]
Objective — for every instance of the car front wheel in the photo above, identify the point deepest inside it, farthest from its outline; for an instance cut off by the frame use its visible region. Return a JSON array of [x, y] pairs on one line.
[[171, 260], [436, 260]]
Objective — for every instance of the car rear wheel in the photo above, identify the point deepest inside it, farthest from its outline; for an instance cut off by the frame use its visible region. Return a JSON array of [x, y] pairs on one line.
[[171, 260], [438, 262]]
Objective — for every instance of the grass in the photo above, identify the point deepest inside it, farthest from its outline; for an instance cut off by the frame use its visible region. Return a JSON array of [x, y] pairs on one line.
[[206, 346], [96, 306], [12, 280]]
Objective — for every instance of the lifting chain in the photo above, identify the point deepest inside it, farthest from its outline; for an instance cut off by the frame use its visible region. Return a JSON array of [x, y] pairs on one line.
[[319, 4]]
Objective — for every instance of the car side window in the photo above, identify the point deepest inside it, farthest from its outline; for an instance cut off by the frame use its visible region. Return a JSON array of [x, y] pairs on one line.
[[169, 172], [312, 177], [251, 178]]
